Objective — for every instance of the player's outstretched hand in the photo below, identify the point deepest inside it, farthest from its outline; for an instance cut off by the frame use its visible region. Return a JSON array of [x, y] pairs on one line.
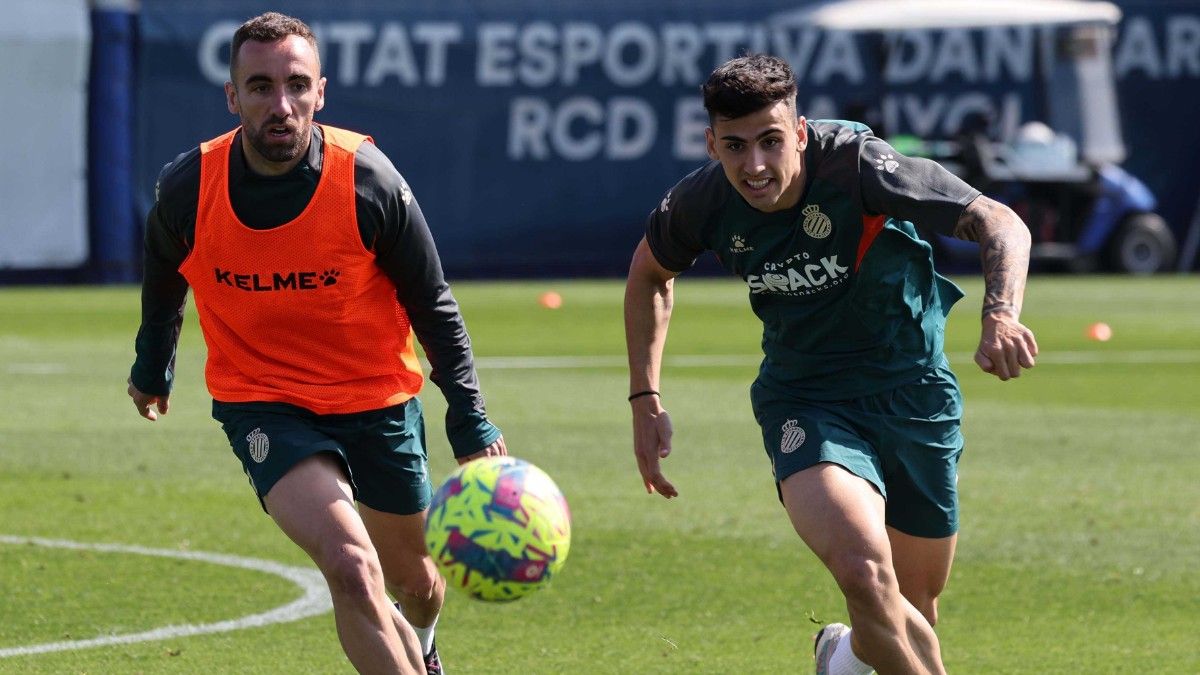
[[143, 402], [651, 443], [496, 449], [1005, 347]]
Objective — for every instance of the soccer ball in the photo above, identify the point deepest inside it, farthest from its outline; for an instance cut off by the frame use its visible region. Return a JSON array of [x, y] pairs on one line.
[[498, 528]]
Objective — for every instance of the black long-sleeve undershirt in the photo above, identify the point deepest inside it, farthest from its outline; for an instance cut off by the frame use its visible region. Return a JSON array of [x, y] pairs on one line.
[[391, 225]]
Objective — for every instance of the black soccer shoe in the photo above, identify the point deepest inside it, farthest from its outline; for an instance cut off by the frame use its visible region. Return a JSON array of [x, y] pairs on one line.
[[433, 662]]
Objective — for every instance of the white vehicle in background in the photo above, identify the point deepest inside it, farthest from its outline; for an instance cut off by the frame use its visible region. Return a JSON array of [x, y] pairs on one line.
[[1063, 173]]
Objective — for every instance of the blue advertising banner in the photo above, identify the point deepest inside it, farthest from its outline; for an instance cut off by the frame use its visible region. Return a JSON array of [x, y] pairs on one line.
[[537, 136]]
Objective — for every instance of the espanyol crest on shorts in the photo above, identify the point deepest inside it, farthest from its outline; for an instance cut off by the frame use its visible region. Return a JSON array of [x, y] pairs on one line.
[[259, 445], [792, 438]]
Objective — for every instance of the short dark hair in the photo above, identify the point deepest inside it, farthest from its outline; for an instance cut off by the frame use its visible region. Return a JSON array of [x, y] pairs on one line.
[[269, 27], [747, 84]]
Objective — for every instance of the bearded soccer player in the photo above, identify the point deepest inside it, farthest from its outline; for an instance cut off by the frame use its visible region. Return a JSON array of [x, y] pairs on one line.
[[312, 269], [858, 406]]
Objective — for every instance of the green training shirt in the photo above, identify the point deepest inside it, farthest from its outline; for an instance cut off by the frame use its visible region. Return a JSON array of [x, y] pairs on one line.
[[842, 282]]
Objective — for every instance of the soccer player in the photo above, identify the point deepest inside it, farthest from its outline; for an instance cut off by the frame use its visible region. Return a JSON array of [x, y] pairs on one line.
[[858, 407], [312, 269]]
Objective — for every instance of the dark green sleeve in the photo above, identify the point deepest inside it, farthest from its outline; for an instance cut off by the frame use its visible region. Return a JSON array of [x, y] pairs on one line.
[[915, 189], [170, 229], [393, 226], [676, 230]]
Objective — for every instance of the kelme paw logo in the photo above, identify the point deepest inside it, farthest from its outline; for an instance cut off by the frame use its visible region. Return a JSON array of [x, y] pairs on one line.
[[329, 277], [887, 163]]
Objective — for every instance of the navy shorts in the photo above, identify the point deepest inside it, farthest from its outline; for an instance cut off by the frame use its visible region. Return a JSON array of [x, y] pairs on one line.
[[382, 451]]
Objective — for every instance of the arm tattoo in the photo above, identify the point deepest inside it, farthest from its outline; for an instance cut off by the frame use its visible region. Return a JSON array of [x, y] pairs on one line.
[[1003, 249]]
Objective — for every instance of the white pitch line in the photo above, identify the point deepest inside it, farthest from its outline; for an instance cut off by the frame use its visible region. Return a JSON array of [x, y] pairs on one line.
[[314, 601], [1094, 357], [1101, 357], [36, 369]]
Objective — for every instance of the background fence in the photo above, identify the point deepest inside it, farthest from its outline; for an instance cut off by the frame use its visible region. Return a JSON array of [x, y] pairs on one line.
[[536, 136]]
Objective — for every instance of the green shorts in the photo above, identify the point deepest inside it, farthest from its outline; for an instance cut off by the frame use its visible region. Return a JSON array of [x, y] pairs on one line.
[[906, 442], [382, 451]]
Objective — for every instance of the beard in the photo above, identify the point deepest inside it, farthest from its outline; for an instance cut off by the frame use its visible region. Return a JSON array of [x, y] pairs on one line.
[[275, 150]]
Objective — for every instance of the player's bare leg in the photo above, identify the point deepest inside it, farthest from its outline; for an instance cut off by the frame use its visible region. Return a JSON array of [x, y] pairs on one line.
[[409, 572], [841, 518], [313, 505], [922, 568]]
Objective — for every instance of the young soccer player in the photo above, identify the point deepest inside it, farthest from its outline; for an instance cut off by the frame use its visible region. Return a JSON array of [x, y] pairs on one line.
[[858, 406]]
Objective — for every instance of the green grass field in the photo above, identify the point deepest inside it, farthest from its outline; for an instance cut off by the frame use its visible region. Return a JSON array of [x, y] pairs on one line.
[[1081, 516]]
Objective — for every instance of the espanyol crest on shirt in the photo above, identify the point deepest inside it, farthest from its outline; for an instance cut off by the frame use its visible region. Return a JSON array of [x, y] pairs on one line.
[[816, 224]]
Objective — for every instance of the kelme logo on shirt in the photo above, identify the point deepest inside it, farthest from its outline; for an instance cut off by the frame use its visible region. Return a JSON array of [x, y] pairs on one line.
[[277, 281], [816, 224], [738, 245], [887, 163], [792, 437], [259, 445]]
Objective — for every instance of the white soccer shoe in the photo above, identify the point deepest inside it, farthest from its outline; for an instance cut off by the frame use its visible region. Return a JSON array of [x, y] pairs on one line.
[[825, 643]]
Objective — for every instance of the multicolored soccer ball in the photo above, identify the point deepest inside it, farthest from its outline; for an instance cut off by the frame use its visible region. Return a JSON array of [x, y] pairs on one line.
[[498, 528]]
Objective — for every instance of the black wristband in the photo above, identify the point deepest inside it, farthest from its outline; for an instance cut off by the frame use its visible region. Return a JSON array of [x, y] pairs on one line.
[[648, 392]]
